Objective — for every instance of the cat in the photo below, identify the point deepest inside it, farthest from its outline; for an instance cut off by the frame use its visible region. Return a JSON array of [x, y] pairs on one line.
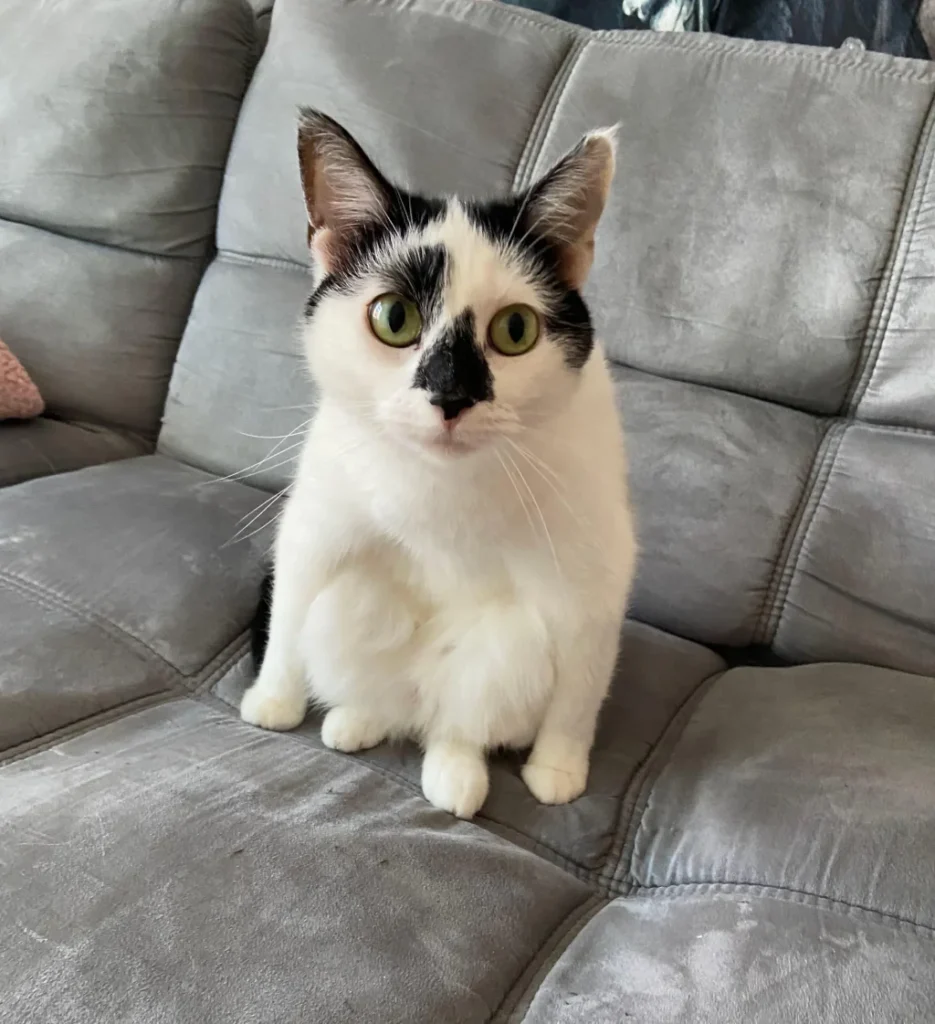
[[454, 559]]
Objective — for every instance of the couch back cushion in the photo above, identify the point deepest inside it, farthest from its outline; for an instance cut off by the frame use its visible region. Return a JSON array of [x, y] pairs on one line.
[[762, 283], [115, 122]]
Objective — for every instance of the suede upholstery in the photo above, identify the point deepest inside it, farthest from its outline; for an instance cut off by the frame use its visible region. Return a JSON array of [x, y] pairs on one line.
[[757, 841]]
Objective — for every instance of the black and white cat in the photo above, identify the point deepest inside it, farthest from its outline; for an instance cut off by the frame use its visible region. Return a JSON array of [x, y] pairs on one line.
[[454, 559]]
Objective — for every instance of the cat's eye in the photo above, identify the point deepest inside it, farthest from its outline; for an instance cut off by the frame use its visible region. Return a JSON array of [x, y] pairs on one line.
[[514, 330], [395, 320]]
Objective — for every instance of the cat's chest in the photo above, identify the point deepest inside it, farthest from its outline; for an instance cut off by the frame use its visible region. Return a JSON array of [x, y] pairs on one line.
[[467, 524]]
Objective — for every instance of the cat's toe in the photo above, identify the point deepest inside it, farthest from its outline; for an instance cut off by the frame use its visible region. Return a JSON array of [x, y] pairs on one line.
[[554, 784], [348, 730], [455, 782], [268, 711]]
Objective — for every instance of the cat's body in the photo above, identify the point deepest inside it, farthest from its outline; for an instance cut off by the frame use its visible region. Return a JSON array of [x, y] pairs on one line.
[[455, 556]]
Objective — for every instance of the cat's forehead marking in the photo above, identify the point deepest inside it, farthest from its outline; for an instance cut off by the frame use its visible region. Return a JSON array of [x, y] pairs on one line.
[[482, 273], [419, 271]]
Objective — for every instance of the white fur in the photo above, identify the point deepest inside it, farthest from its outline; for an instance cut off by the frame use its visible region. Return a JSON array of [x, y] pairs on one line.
[[463, 590]]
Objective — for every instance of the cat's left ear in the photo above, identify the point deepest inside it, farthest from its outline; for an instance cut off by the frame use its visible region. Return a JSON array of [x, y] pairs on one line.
[[343, 190], [566, 204]]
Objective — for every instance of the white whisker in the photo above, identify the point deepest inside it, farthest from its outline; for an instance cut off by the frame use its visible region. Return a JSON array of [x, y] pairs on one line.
[[529, 490]]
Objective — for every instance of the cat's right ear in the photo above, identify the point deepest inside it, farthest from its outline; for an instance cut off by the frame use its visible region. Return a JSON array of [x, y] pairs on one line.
[[343, 190]]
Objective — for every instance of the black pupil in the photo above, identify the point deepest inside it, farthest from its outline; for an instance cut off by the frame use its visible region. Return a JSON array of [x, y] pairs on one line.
[[396, 318], [516, 327]]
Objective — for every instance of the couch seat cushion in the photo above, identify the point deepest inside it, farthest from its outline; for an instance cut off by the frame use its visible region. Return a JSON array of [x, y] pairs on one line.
[[181, 866], [117, 584], [718, 959], [817, 781]]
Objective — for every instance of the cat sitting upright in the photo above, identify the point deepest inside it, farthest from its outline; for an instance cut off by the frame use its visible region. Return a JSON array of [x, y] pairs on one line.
[[455, 556]]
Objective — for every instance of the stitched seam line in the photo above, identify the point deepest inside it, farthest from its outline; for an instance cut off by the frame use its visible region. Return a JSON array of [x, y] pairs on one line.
[[542, 960], [89, 724], [784, 894], [221, 663], [119, 634], [606, 875], [511, 15], [249, 259], [79, 610], [780, 577], [542, 125], [619, 875], [867, 64], [916, 186], [819, 484], [180, 258]]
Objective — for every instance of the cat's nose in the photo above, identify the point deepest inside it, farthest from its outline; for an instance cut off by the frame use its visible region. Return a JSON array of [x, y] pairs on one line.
[[451, 406]]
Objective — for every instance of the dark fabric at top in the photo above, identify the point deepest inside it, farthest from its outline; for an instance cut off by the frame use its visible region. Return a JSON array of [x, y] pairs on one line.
[[890, 26]]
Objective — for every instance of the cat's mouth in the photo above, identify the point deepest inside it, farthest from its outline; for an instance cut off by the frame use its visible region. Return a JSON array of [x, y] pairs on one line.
[[449, 443]]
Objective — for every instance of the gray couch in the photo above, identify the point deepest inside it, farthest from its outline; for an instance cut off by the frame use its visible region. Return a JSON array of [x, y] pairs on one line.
[[757, 842]]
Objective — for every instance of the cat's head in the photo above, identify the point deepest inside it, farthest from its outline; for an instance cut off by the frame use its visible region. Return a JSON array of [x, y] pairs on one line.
[[448, 323]]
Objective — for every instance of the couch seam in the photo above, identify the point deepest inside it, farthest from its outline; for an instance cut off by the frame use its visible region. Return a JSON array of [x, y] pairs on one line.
[[917, 182], [179, 258], [249, 259], [618, 868], [542, 124], [543, 959], [829, 456], [178, 686], [641, 780], [119, 634], [220, 664], [87, 725], [780, 577], [83, 611], [781, 893], [516, 16], [754, 49], [632, 372]]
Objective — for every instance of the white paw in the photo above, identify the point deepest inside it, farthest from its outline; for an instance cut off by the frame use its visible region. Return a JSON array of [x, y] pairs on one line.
[[455, 780], [556, 783], [270, 711], [349, 730]]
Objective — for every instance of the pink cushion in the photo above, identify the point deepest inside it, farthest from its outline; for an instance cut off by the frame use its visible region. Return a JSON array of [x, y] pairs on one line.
[[19, 397]]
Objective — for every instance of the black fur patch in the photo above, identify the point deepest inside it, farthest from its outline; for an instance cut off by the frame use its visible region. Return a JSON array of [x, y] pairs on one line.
[[419, 274], [259, 628], [567, 318], [404, 212], [454, 371]]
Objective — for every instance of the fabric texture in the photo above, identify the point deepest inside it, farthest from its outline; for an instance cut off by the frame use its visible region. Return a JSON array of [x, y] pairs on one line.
[[114, 132], [19, 397], [39, 447], [756, 842]]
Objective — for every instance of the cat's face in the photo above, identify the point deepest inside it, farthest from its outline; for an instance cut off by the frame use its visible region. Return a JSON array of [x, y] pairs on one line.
[[448, 324]]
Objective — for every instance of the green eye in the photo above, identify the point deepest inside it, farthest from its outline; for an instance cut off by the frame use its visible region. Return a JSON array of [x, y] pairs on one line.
[[395, 320], [514, 330]]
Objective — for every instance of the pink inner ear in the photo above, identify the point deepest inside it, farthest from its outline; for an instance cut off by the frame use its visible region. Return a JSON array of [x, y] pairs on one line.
[[19, 397]]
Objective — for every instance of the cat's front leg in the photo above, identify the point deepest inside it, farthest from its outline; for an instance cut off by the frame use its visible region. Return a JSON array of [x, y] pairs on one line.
[[455, 776], [557, 769], [309, 544]]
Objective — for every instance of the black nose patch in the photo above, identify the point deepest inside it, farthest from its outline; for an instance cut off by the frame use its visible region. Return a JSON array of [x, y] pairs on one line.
[[454, 371]]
